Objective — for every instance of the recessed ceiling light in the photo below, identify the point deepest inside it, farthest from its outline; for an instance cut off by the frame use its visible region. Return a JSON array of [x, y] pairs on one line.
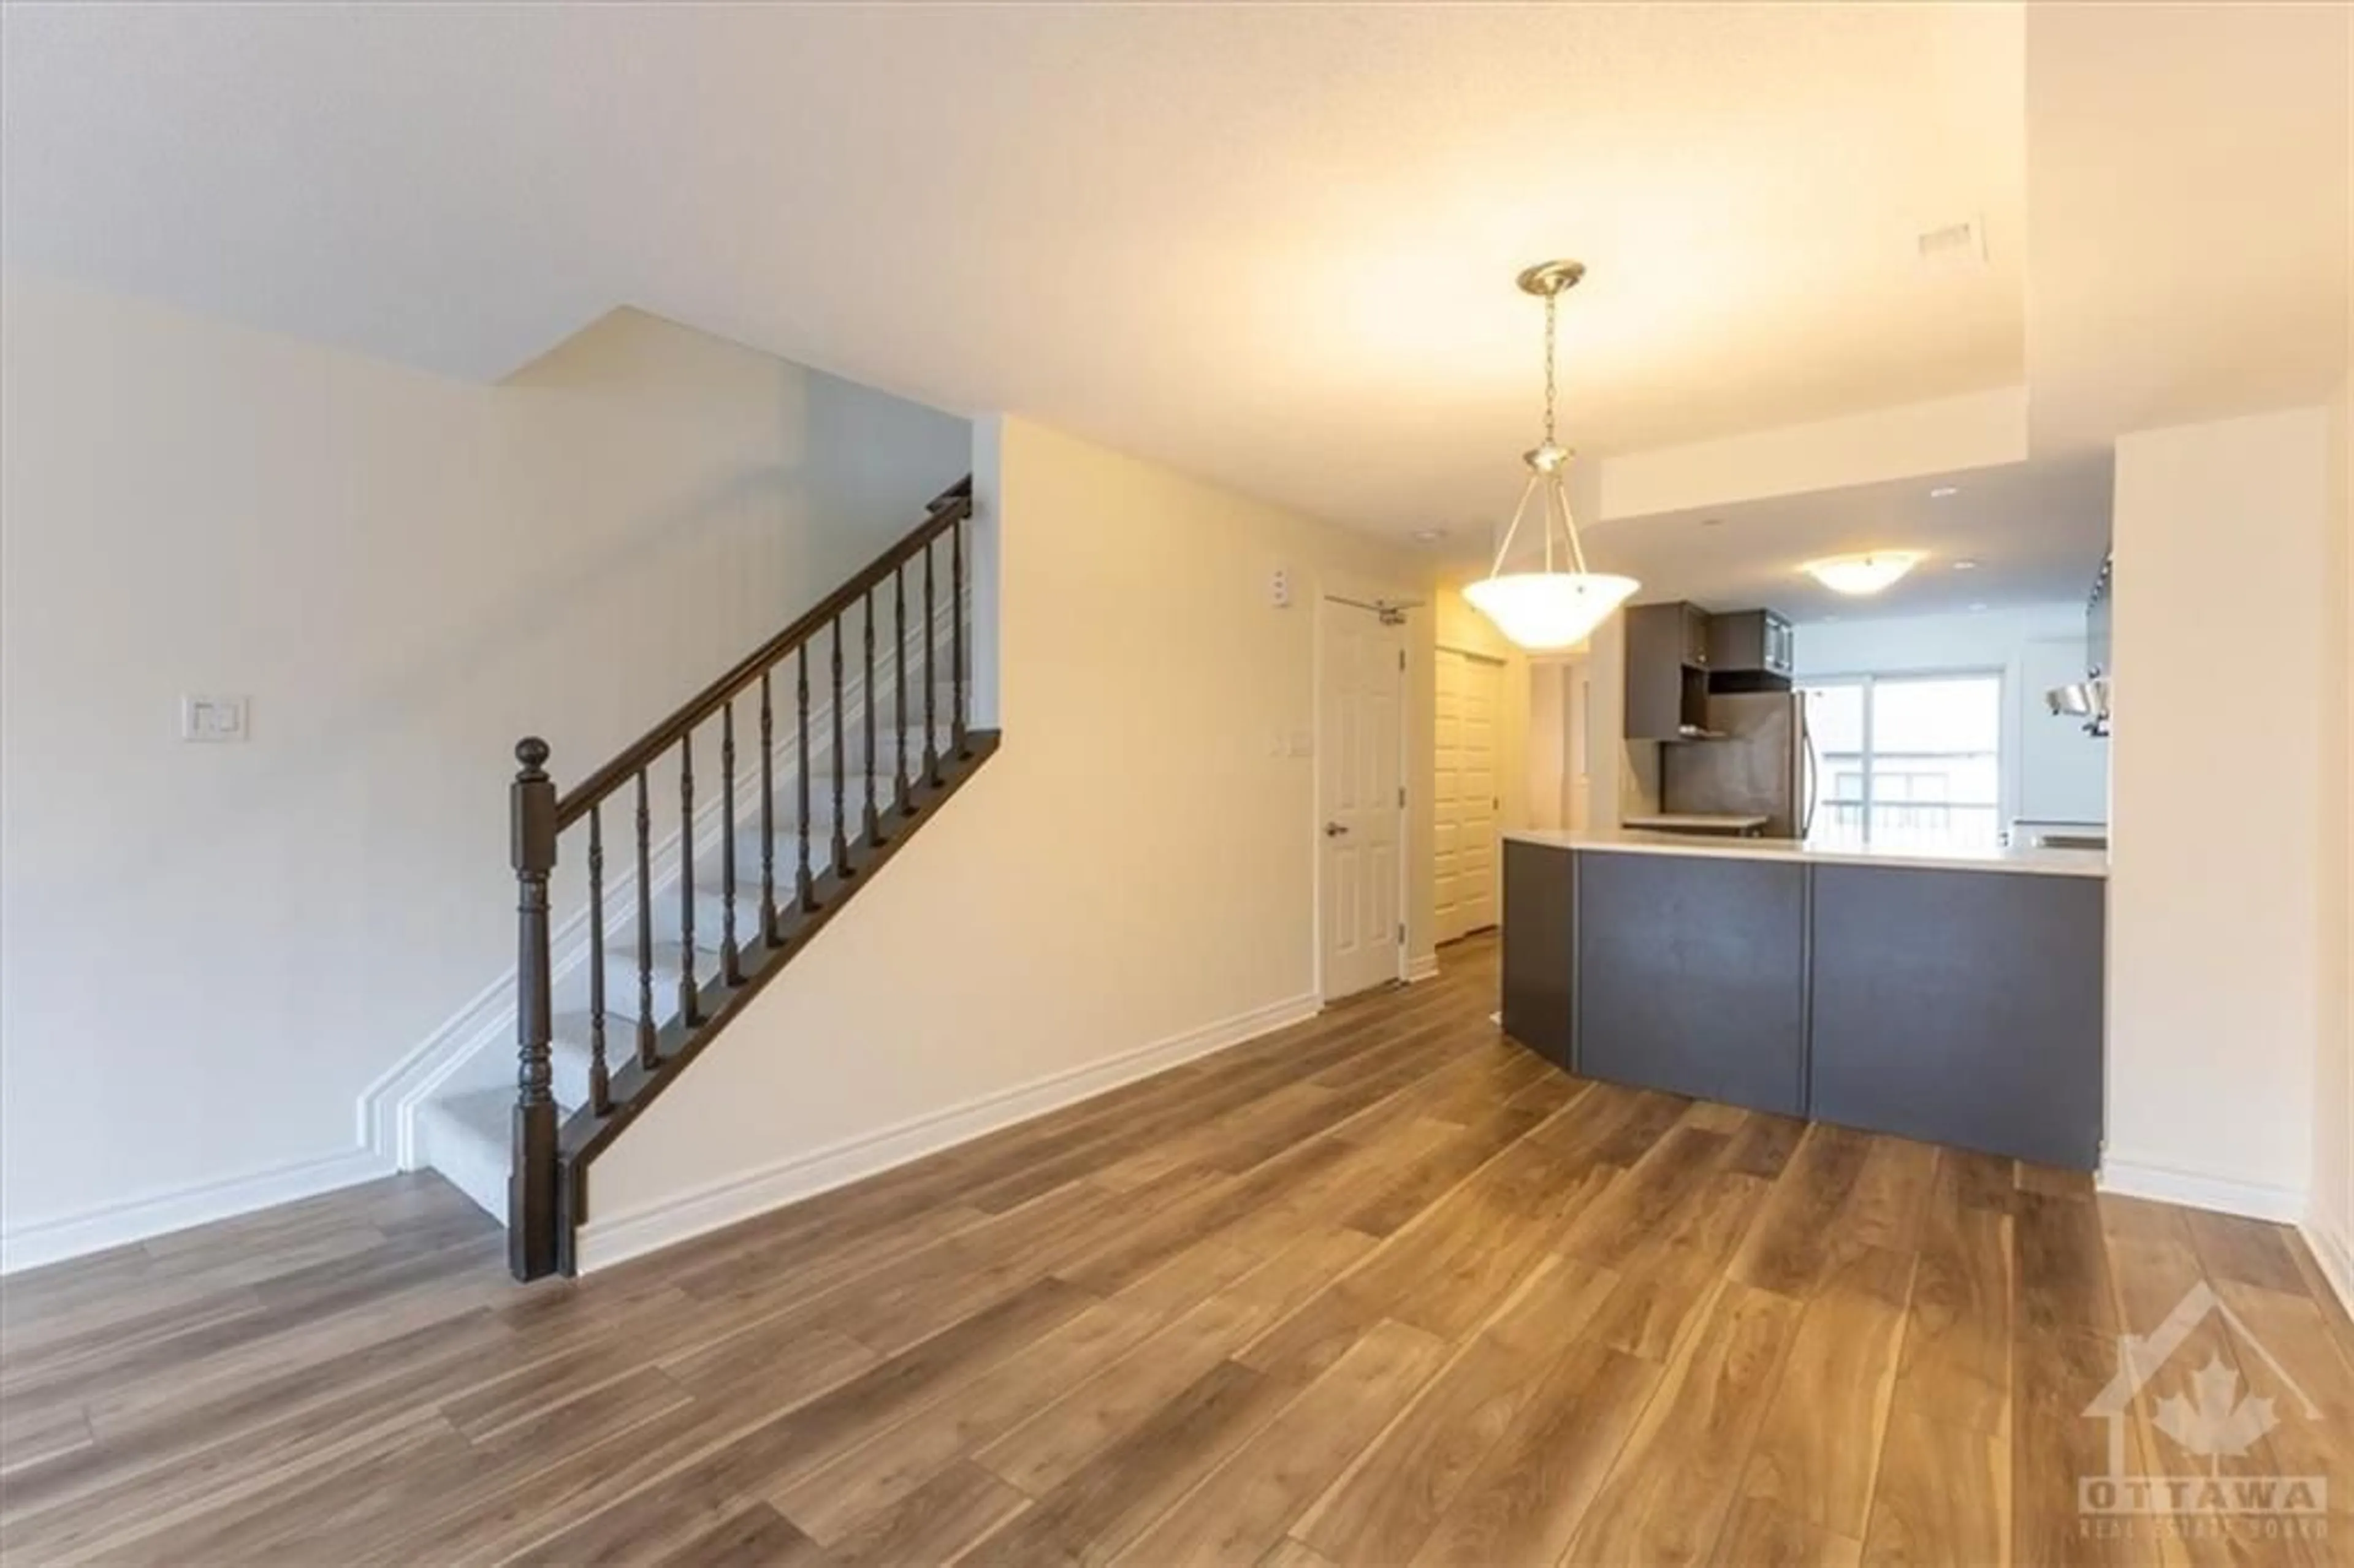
[[1861, 574], [1430, 536], [1965, 564], [1944, 491]]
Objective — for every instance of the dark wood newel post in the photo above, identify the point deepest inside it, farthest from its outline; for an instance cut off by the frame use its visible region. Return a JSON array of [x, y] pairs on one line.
[[530, 1189]]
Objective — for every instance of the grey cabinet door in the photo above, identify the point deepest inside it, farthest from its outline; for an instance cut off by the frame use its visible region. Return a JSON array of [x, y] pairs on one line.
[[1961, 1007], [1691, 976], [1654, 707], [1540, 909]]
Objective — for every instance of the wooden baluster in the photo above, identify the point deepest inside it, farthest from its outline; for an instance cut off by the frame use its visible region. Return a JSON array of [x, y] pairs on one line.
[[731, 969], [841, 773], [956, 643], [689, 1012], [866, 701], [530, 1183], [932, 681], [601, 1081], [647, 1058], [906, 796], [768, 818], [805, 886]]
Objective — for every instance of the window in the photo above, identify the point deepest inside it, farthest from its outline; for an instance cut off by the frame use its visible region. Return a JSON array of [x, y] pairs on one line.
[[1908, 761]]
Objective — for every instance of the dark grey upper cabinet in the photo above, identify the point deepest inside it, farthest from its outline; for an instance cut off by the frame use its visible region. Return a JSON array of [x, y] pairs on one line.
[[1749, 650], [1667, 671]]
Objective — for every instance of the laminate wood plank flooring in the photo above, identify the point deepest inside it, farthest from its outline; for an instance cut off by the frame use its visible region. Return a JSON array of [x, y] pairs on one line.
[[1377, 1289]]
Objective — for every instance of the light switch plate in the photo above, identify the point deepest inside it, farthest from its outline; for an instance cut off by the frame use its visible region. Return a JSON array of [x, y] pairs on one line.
[[213, 719]]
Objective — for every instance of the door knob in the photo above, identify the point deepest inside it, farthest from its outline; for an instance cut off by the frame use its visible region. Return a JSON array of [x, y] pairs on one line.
[[1333, 830]]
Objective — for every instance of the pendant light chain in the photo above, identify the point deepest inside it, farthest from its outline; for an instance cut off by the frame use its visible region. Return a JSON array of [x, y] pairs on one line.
[[1556, 607]]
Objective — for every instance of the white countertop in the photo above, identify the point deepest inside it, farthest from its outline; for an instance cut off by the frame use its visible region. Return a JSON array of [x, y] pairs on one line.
[[2042, 861], [1706, 822]]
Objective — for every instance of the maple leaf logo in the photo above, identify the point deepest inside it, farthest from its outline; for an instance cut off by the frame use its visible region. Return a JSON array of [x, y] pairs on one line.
[[2215, 1421]]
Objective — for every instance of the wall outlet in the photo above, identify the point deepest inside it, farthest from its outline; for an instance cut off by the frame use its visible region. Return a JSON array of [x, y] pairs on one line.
[[213, 719]]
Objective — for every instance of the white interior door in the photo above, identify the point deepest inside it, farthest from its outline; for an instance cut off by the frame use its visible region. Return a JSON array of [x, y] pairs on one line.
[[1361, 706], [1470, 697]]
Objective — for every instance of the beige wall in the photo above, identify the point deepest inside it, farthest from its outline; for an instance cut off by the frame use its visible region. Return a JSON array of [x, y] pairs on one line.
[[207, 952], [1548, 775], [1131, 880], [2225, 787]]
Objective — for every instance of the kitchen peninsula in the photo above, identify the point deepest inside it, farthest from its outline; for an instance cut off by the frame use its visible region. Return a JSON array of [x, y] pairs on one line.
[[1954, 998]]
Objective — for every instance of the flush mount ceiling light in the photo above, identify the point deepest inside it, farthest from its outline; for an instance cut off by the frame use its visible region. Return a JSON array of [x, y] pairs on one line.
[[1867, 572], [1558, 607]]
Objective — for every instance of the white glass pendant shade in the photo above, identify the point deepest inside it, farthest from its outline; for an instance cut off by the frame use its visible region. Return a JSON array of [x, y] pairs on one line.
[[1546, 612], [1864, 574], [1560, 605]]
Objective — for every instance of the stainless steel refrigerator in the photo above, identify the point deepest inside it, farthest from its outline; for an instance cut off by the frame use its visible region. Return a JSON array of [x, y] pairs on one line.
[[1761, 763]]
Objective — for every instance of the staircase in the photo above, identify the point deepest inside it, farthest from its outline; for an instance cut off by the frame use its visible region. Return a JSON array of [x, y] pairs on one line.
[[710, 853]]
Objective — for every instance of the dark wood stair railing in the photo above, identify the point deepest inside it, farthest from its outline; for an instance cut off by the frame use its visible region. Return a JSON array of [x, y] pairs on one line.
[[546, 1199]]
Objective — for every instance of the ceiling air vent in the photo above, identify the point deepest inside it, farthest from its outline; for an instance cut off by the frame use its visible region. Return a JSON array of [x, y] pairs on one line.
[[1955, 246]]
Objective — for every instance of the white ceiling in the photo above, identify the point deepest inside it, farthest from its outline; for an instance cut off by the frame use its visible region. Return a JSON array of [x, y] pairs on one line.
[[1273, 246], [2036, 531], [2190, 188]]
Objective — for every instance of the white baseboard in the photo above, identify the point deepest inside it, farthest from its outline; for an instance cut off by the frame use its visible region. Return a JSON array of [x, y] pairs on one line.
[[115, 1224], [1421, 967], [604, 1241], [2134, 1179], [2332, 1252]]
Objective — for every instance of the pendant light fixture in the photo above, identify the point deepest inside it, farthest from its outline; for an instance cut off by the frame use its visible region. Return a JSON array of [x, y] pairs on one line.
[[1558, 607]]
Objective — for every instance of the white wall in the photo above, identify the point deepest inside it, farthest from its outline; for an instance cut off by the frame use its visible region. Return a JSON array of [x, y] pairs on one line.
[[2331, 1221], [2221, 800], [1131, 880], [210, 950], [2051, 769]]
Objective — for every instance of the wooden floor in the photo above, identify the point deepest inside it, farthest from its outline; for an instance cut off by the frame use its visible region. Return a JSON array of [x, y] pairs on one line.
[[1382, 1288]]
